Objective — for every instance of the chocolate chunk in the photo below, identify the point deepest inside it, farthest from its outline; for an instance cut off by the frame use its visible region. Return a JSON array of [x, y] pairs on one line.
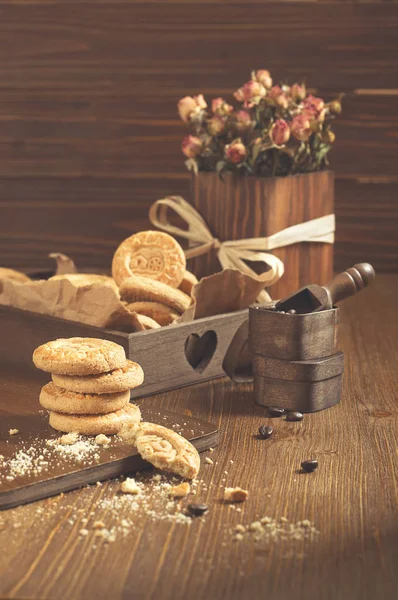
[[309, 465], [265, 431], [274, 411], [294, 416], [197, 509]]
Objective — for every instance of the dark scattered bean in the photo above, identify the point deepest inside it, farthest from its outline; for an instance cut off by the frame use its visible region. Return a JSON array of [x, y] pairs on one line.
[[291, 312], [274, 411], [282, 312], [294, 416], [197, 509], [265, 431], [309, 465]]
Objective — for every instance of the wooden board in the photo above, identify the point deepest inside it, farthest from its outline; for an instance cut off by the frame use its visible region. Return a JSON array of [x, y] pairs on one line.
[[62, 475], [197, 347]]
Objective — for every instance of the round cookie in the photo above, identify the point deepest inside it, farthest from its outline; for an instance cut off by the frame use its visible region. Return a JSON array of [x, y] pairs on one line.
[[140, 288], [95, 424], [79, 356], [147, 322], [81, 279], [152, 254], [13, 275], [161, 313], [57, 399], [126, 378], [187, 283]]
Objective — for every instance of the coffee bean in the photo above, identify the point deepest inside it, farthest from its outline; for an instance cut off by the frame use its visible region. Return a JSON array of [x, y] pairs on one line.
[[294, 416], [309, 465], [281, 312], [265, 431], [291, 312], [274, 411], [197, 509]]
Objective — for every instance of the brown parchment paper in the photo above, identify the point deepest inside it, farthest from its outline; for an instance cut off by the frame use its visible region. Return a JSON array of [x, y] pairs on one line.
[[94, 304]]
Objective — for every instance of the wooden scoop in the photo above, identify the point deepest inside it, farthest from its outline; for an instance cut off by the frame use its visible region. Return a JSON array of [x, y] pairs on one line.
[[313, 298]]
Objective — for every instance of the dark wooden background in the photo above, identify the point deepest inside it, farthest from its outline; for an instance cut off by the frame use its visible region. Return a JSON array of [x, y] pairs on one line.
[[89, 134]]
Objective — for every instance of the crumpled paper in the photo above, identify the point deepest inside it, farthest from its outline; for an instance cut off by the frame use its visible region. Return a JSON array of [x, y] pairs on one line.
[[99, 304]]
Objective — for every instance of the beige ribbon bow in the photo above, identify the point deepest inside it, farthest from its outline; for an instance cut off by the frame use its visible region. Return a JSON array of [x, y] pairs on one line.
[[232, 254]]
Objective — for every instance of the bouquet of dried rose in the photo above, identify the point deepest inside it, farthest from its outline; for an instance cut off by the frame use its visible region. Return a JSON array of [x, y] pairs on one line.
[[277, 130]]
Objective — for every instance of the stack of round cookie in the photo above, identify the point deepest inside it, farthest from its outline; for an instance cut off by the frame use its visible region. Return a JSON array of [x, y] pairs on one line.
[[90, 388], [150, 268]]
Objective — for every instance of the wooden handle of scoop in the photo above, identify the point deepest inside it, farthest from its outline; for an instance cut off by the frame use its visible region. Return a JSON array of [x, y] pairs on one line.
[[350, 282]]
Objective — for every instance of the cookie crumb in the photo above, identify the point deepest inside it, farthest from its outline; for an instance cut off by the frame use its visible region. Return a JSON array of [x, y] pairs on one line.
[[209, 461], [129, 486], [211, 449], [102, 440], [98, 525], [83, 532], [179, 491], [235, 494], [68, 439], [13, 431]]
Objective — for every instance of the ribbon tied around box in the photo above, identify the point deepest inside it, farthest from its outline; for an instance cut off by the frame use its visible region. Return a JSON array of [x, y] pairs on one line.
[[232, 254]]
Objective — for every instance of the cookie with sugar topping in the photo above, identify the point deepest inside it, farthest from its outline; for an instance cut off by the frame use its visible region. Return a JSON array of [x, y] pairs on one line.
[[79, 356], [108, 424], [125, 378]]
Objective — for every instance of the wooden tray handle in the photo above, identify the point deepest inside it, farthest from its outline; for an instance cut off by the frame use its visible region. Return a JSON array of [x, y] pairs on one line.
[[234, 352]]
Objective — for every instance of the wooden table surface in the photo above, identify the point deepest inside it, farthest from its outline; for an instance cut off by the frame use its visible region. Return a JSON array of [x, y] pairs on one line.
[[352, 498]]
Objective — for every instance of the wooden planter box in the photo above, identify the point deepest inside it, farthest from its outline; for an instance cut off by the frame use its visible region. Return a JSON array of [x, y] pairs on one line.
[[171, 357], [251, 207]]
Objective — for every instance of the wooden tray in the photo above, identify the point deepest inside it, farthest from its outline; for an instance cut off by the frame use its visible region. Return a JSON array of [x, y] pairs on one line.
[[172, 357], [19, 409]]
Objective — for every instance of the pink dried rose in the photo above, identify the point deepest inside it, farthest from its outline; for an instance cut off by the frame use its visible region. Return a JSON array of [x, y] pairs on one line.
[[263, 76], [191, 146], [242, 121], [279, 97], [301, 127], [314, 107], [235, 152], [253, 91], [216, 125], [220, 107], [189, 106], [298, 91], [280, 132]]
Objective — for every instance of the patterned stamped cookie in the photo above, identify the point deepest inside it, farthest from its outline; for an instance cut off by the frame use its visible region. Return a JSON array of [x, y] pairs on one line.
[[126, 378], [136, 289], [95, 424], [79, 356], [152, 254], [163, 448], [57, 399]]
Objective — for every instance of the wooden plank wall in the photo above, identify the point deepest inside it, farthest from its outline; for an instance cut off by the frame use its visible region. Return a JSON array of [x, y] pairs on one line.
[[89, 135]]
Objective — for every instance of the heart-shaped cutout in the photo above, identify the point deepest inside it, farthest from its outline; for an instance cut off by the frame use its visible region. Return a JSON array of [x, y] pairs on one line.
[[199, 350]]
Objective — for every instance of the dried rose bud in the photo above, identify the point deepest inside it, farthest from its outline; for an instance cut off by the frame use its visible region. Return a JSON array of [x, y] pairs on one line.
[[264, 77], [235, 152], [278, 96], [335, 107], [191, 146], [315, 107], [280, 132], [188, 106], [216, 125], [242, 120], [328, 136], [301, 127], [298, 91], [253, 91], [220, 107], [239, 94]]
